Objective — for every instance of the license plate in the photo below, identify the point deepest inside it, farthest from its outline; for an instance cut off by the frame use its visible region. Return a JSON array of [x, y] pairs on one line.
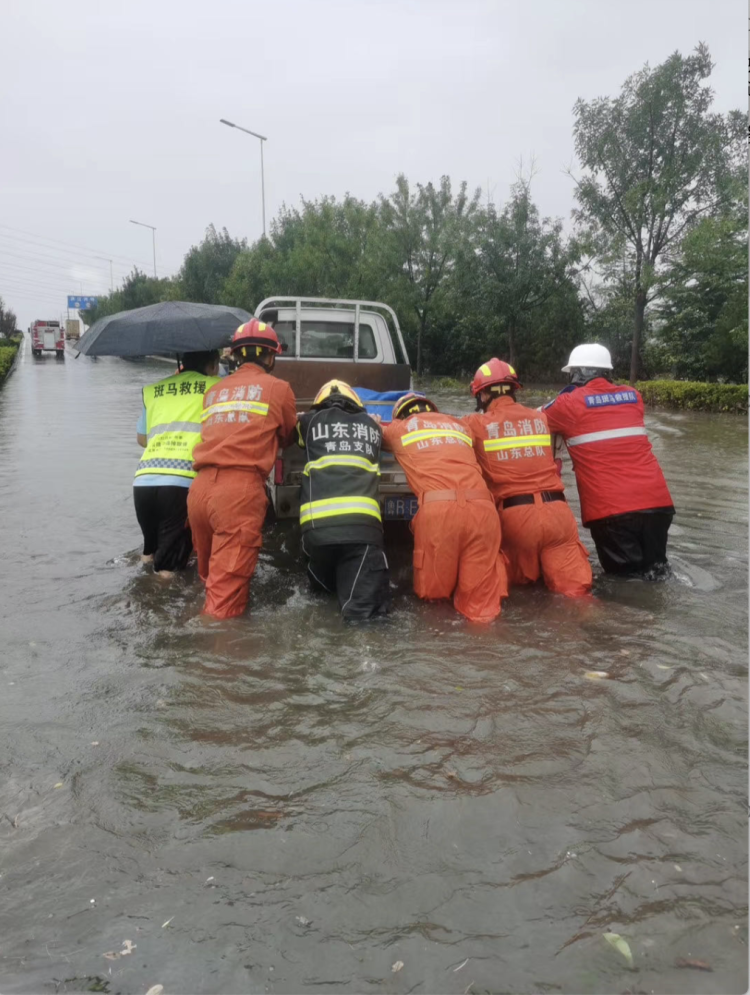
[[404, 508]]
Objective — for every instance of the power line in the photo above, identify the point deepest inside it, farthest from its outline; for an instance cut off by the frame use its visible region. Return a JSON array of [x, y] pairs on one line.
[[42, 280], [66, 261], [58, 241], [61, 259], [53, 274], [24, 295]]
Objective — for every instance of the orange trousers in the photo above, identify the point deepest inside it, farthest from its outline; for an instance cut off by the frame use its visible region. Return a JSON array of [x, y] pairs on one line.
[[457, 554], [541, 539], [226, 509]]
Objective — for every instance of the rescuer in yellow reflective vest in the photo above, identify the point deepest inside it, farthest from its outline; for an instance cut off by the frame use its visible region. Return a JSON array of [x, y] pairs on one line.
[[169, 429], [342, 530]]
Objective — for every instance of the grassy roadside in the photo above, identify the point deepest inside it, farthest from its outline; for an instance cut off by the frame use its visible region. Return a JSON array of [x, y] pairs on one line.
[[8, 350], [676, 394], [695, 396]]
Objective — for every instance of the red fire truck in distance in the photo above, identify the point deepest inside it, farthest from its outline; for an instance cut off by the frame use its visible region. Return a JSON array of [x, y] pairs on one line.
[[47, 336]]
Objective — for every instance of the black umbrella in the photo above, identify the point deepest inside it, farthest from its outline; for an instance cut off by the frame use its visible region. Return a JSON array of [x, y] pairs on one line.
[[166, 329]]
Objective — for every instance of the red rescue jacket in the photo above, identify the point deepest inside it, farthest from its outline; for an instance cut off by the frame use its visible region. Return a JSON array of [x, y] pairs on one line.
[[603, 428]]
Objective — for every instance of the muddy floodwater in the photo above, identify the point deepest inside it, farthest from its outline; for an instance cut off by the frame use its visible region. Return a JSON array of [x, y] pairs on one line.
[[286, 803]]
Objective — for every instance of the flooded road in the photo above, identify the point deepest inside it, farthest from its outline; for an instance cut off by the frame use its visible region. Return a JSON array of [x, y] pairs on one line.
[[284, 803]]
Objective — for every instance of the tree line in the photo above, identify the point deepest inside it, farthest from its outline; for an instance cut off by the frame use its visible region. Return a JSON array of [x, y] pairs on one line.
[[655, 266], [8, 321]]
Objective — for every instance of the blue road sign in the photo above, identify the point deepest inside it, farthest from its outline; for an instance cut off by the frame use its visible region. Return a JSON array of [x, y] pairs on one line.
[[82, 303]]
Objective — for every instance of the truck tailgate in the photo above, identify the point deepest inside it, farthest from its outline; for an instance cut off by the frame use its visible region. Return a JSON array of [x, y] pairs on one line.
[[397, 501]]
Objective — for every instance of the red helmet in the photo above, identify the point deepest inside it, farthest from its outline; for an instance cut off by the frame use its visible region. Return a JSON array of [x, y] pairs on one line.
[[406, 402], [494, 372], [256, 332]]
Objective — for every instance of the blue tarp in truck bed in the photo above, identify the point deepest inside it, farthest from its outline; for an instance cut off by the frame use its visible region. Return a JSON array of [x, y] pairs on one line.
[[379, 402]]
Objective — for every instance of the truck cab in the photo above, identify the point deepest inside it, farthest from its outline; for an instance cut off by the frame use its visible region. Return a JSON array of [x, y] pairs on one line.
[[359, 342]]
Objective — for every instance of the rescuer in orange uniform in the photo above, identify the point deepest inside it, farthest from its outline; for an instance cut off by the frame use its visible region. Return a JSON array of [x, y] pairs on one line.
[[456, 530], [246, 417], [514, 450]]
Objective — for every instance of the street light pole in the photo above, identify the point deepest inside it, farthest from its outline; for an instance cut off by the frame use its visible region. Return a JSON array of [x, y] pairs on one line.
[[262, 138], [153, 237]]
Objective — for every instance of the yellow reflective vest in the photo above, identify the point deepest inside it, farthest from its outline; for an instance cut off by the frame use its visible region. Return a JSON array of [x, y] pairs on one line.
[[173, 423]]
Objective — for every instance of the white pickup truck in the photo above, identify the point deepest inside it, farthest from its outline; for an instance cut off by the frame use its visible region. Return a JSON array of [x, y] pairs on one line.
[[359, 342]]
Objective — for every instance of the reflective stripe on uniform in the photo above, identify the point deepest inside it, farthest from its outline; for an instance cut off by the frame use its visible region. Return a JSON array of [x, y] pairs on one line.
[[167, 464], [255, 407], [175, 426], [516, 442], [435, 433], [612, 433], [328, 507], [325, 461]]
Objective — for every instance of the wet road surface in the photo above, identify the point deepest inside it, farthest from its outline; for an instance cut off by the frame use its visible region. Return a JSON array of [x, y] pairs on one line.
[[284, 803]]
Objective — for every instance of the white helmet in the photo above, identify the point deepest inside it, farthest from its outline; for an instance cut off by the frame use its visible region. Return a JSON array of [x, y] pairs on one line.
[[591, 355]]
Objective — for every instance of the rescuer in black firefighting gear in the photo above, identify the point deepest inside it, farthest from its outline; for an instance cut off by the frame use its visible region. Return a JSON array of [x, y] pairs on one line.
[[342, 530]]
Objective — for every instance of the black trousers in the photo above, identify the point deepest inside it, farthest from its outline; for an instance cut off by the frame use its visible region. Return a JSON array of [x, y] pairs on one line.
[[634, 543], [356, 572], [162, 516]]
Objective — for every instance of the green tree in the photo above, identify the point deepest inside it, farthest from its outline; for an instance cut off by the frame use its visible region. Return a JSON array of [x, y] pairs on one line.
[[326, 247], [252, 278], [606, 283], [323, 249], [524, 264], [137, 290], [207, 266], [7, 321], [420, 239], [703, 317], [657, 162]]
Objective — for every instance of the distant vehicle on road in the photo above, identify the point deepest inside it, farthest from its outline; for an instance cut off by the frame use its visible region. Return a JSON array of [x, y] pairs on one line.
[[47, 336]]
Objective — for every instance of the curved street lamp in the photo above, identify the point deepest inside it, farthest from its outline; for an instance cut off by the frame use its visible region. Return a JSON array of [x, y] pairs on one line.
[[262, 138]]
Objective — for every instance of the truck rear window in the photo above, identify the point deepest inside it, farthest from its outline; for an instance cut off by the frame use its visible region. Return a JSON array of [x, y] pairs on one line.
[[328, 339]]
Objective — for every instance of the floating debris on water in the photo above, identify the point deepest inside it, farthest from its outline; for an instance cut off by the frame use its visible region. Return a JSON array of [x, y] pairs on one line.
[[127, 948], [695, 965], [596, 675], [397, 966], [620, 945]]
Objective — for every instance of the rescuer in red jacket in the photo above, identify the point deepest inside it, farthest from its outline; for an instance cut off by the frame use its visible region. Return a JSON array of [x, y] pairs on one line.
[[456, 530], [625, 501], [246, 417], [514, 450]]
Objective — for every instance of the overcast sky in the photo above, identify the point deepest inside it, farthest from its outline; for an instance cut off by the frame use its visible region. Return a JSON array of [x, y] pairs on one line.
[[111, 111]]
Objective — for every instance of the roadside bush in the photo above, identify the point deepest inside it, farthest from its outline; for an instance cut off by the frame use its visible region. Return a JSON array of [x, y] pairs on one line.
[[7, 355], [445, 383], [694, 395]]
